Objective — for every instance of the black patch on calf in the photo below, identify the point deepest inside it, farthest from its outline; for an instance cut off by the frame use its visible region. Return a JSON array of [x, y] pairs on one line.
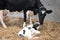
[[23, 31], [35, 26]]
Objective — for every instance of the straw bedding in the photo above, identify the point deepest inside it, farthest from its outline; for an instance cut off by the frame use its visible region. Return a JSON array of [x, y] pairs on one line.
[[49, 31]]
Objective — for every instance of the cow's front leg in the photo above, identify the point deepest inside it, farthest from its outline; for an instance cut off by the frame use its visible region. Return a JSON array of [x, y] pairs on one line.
[[1, 19], [24, 18]]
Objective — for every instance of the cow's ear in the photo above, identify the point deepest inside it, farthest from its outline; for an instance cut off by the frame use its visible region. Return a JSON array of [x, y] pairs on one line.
[[48, 11]]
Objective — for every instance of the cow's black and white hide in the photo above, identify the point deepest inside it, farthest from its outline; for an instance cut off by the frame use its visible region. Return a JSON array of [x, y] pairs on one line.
[[30, 30]]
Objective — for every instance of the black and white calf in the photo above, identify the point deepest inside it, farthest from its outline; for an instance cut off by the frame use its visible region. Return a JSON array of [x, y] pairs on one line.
[[30, 30]]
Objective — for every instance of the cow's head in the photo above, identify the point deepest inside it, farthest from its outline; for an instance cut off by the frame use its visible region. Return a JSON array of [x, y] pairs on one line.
[[42, 14], [29, 30]]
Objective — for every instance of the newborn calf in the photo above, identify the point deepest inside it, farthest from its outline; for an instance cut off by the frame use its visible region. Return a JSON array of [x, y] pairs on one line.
[[29, 30]]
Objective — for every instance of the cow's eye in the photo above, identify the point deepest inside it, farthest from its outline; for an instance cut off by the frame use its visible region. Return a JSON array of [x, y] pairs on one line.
[[23, 31]]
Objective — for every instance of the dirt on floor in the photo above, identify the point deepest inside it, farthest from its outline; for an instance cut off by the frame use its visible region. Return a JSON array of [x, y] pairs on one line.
[[49, 30]]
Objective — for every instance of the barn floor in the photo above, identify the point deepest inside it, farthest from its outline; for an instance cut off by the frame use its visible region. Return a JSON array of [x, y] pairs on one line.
[[49, 31]]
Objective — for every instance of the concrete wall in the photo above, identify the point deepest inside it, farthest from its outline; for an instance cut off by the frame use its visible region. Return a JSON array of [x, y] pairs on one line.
[[55, 6]]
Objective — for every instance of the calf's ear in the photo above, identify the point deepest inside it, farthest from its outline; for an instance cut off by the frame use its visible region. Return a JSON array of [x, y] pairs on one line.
[[48, 11]]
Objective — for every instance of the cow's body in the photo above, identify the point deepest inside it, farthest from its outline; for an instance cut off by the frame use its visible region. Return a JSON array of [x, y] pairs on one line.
[[25, 5], [18, 5]]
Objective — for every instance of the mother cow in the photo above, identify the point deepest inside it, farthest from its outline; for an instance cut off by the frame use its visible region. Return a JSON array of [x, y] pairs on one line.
[[25, 5]]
